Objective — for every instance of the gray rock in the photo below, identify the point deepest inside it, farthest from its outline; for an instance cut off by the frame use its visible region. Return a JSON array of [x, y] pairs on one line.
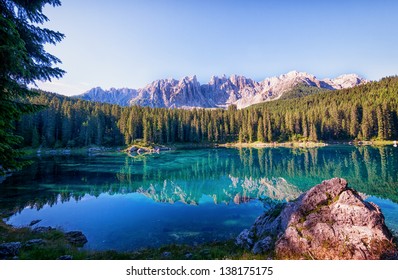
[[34, 242], [65, 257], [76, 238], [263, 246], [32, 223], [10, 249], [245, 239], [188, 255], [330, 221], [42, 229], [132, 149], [166, 255]]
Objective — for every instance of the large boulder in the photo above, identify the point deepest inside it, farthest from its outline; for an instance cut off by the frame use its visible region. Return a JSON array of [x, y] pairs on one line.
[[330, 221]]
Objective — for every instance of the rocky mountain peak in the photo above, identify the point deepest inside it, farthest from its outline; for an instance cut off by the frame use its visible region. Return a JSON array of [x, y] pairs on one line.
[[219, 92], [347, 81]]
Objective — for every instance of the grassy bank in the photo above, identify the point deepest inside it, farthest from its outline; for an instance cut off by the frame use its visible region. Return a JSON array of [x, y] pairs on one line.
[[56, 245], [181, 146], [274, 144]]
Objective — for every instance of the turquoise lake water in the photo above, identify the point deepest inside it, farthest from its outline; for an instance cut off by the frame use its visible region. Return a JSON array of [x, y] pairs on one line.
[[186, 196]]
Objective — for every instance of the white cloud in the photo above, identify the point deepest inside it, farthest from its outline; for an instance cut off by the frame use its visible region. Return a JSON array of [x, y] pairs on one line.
[[63, 88]]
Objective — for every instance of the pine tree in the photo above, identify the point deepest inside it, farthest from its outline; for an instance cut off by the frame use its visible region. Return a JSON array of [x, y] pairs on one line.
[[354, 124], [380, 124], [366, 125], [241, 138], [269, 132], [313, 133], [249, 129], [23, 61], [210, 135], [35, 138], [305, 127], [260, 130]]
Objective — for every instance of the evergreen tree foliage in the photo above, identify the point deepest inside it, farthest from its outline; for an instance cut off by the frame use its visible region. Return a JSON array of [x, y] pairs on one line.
[[365, 112], [23, 61]]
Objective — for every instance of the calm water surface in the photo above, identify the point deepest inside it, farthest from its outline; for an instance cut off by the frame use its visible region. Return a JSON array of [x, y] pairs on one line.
[[186, 196]]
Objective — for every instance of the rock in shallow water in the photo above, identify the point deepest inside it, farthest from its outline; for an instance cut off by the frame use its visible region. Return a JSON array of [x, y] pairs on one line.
[[32, 223], [330, 221]]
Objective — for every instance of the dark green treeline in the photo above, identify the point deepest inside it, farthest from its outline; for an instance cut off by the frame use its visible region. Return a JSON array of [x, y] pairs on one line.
[[365, 112]]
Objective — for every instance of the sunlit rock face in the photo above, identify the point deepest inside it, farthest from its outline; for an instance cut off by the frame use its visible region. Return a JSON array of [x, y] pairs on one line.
[[330, 221], [219, 92]]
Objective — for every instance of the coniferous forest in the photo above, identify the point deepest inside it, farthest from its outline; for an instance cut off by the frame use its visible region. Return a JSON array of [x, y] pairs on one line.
[[364, 112]]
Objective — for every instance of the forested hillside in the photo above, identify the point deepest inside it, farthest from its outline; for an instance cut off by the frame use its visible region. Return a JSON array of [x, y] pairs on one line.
[[364, 112]]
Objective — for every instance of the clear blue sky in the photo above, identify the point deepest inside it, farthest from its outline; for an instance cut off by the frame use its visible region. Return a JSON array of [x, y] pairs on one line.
[[131, 43]]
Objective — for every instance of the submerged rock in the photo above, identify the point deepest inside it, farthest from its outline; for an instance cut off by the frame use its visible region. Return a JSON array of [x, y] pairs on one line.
[[330, 221], [32, 223]]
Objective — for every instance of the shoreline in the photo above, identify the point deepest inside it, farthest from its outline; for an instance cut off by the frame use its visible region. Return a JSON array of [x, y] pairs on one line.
[[307, 144], [53, 244], [184, 146]]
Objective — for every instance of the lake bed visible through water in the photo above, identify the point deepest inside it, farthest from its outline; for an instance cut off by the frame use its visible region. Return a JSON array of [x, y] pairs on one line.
[[186, 196]]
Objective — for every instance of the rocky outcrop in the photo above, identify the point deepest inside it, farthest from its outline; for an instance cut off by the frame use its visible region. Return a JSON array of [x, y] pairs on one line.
[[219, 92], [330, 221], [34, 242], [8, 250], [43, 229], [144, 150], [76, 238], [11, 249]]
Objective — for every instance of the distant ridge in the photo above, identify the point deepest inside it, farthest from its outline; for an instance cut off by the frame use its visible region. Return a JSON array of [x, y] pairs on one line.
[[219, 92]]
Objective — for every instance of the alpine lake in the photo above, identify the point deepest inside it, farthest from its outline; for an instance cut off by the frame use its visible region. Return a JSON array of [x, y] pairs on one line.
[[126, 203]]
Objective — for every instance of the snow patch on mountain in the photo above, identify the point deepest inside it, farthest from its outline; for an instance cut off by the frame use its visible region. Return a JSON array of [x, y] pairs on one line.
[[219, 92]]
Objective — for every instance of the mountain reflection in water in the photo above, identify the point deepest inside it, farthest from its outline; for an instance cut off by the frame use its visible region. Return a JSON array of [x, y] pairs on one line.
[[226, 175], [124, 203]]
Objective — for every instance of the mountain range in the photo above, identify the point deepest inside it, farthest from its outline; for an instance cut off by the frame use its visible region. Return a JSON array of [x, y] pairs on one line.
[[219, 92]]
